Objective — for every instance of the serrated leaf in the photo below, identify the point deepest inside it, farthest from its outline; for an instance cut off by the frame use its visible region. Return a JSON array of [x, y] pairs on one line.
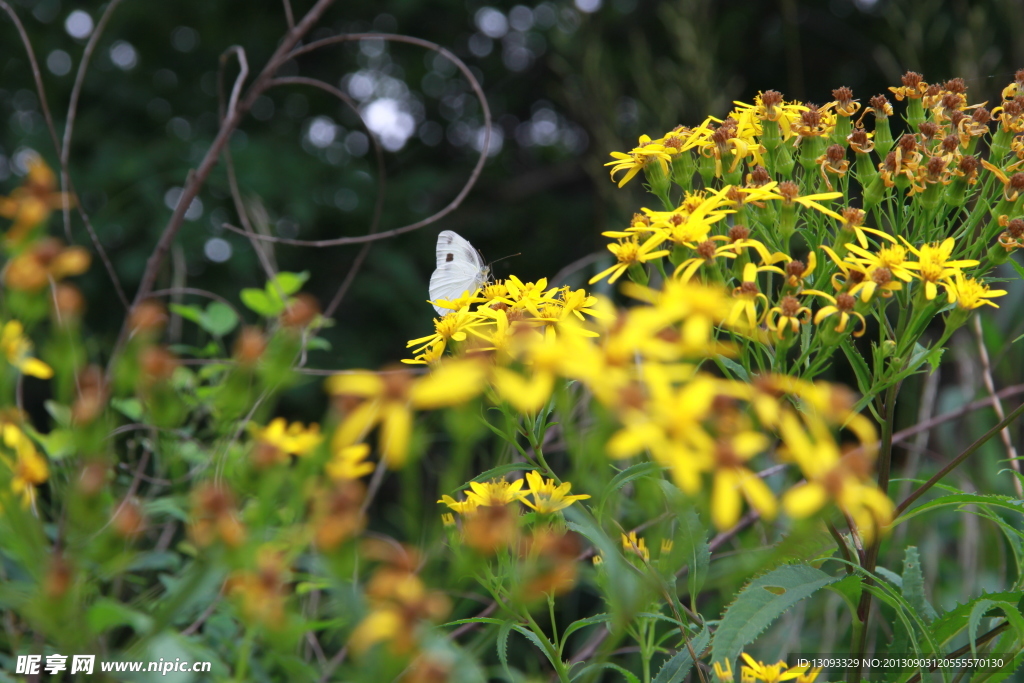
[[859, 365], [219, 319], [631, 473], [628, 675], [677, 667], [913, 585], [532, 637], [1005, 502], [502, 645], [755, 608], [978, 611], [583, 623]]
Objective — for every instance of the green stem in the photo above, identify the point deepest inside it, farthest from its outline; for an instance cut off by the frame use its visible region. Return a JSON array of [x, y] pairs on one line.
[[556, 659], [871, 556], [244, 653]]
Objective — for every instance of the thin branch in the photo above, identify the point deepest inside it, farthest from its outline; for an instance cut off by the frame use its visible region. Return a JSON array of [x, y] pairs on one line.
[[997, 405], [76, 91], [196, 180], [37, 74], [171, 291], [378, 208], [958, 459], [451, 206], [289, 16]]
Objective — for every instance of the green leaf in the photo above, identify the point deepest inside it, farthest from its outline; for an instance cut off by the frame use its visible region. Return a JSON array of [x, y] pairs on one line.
[[913, 585], [532, 637], [631, 473], [979, 610], [502, 645], [289, 282], [318, 344], [677, 668], [691, 538], [59, 443], [583, 623], [60, 414], [1005, 502], [859, 365], [129, 407], [628, 675], [187, 312], [105, 614], [219, 319], [259, 302], [760, 602], [735, 368]]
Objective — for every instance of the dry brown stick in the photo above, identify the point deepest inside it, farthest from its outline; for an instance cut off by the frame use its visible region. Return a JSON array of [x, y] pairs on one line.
[[378, 208], [289, 16], [195, 181], [37, 74], [452, 205], [997, 405]]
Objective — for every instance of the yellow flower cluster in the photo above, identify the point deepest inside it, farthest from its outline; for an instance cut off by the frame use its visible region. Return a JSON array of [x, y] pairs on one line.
[[641, 364]]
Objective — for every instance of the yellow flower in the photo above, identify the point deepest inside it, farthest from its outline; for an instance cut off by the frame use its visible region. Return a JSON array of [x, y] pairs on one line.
[[629, 252], [880, 268], [933, 265], [767, 673], [399, 602], [732, 478], [723, 671], [449, 327], [638, 158], [636, 545], [789, 313], [348, 462], [282, 439], [831, 476], [29, 468], [31, 204], [547, 497], [389, 398], [495, 493], [16, 347], [746, 296], [46, 260], [969, 294], [842, 306]]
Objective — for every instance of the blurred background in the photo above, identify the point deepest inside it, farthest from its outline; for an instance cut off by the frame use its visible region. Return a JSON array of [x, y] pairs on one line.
[[567, 81]]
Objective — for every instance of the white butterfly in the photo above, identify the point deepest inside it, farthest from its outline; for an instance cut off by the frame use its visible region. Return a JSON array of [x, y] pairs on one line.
[[460, 270]]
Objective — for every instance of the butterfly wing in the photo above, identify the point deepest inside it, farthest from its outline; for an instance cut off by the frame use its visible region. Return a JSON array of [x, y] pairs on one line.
[[460, 269], [453, 248]]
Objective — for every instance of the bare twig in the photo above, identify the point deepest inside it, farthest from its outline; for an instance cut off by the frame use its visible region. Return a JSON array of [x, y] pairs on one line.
[[997, 405], [196, 179], [378, 208], [289, 16], [37, 74], [66, 186], [451, 206]]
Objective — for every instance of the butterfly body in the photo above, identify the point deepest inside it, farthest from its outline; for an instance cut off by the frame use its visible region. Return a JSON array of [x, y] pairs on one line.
[[460, 269]]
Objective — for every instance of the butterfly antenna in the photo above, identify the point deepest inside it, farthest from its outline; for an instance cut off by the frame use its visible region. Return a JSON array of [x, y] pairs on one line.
[[503, 258]]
